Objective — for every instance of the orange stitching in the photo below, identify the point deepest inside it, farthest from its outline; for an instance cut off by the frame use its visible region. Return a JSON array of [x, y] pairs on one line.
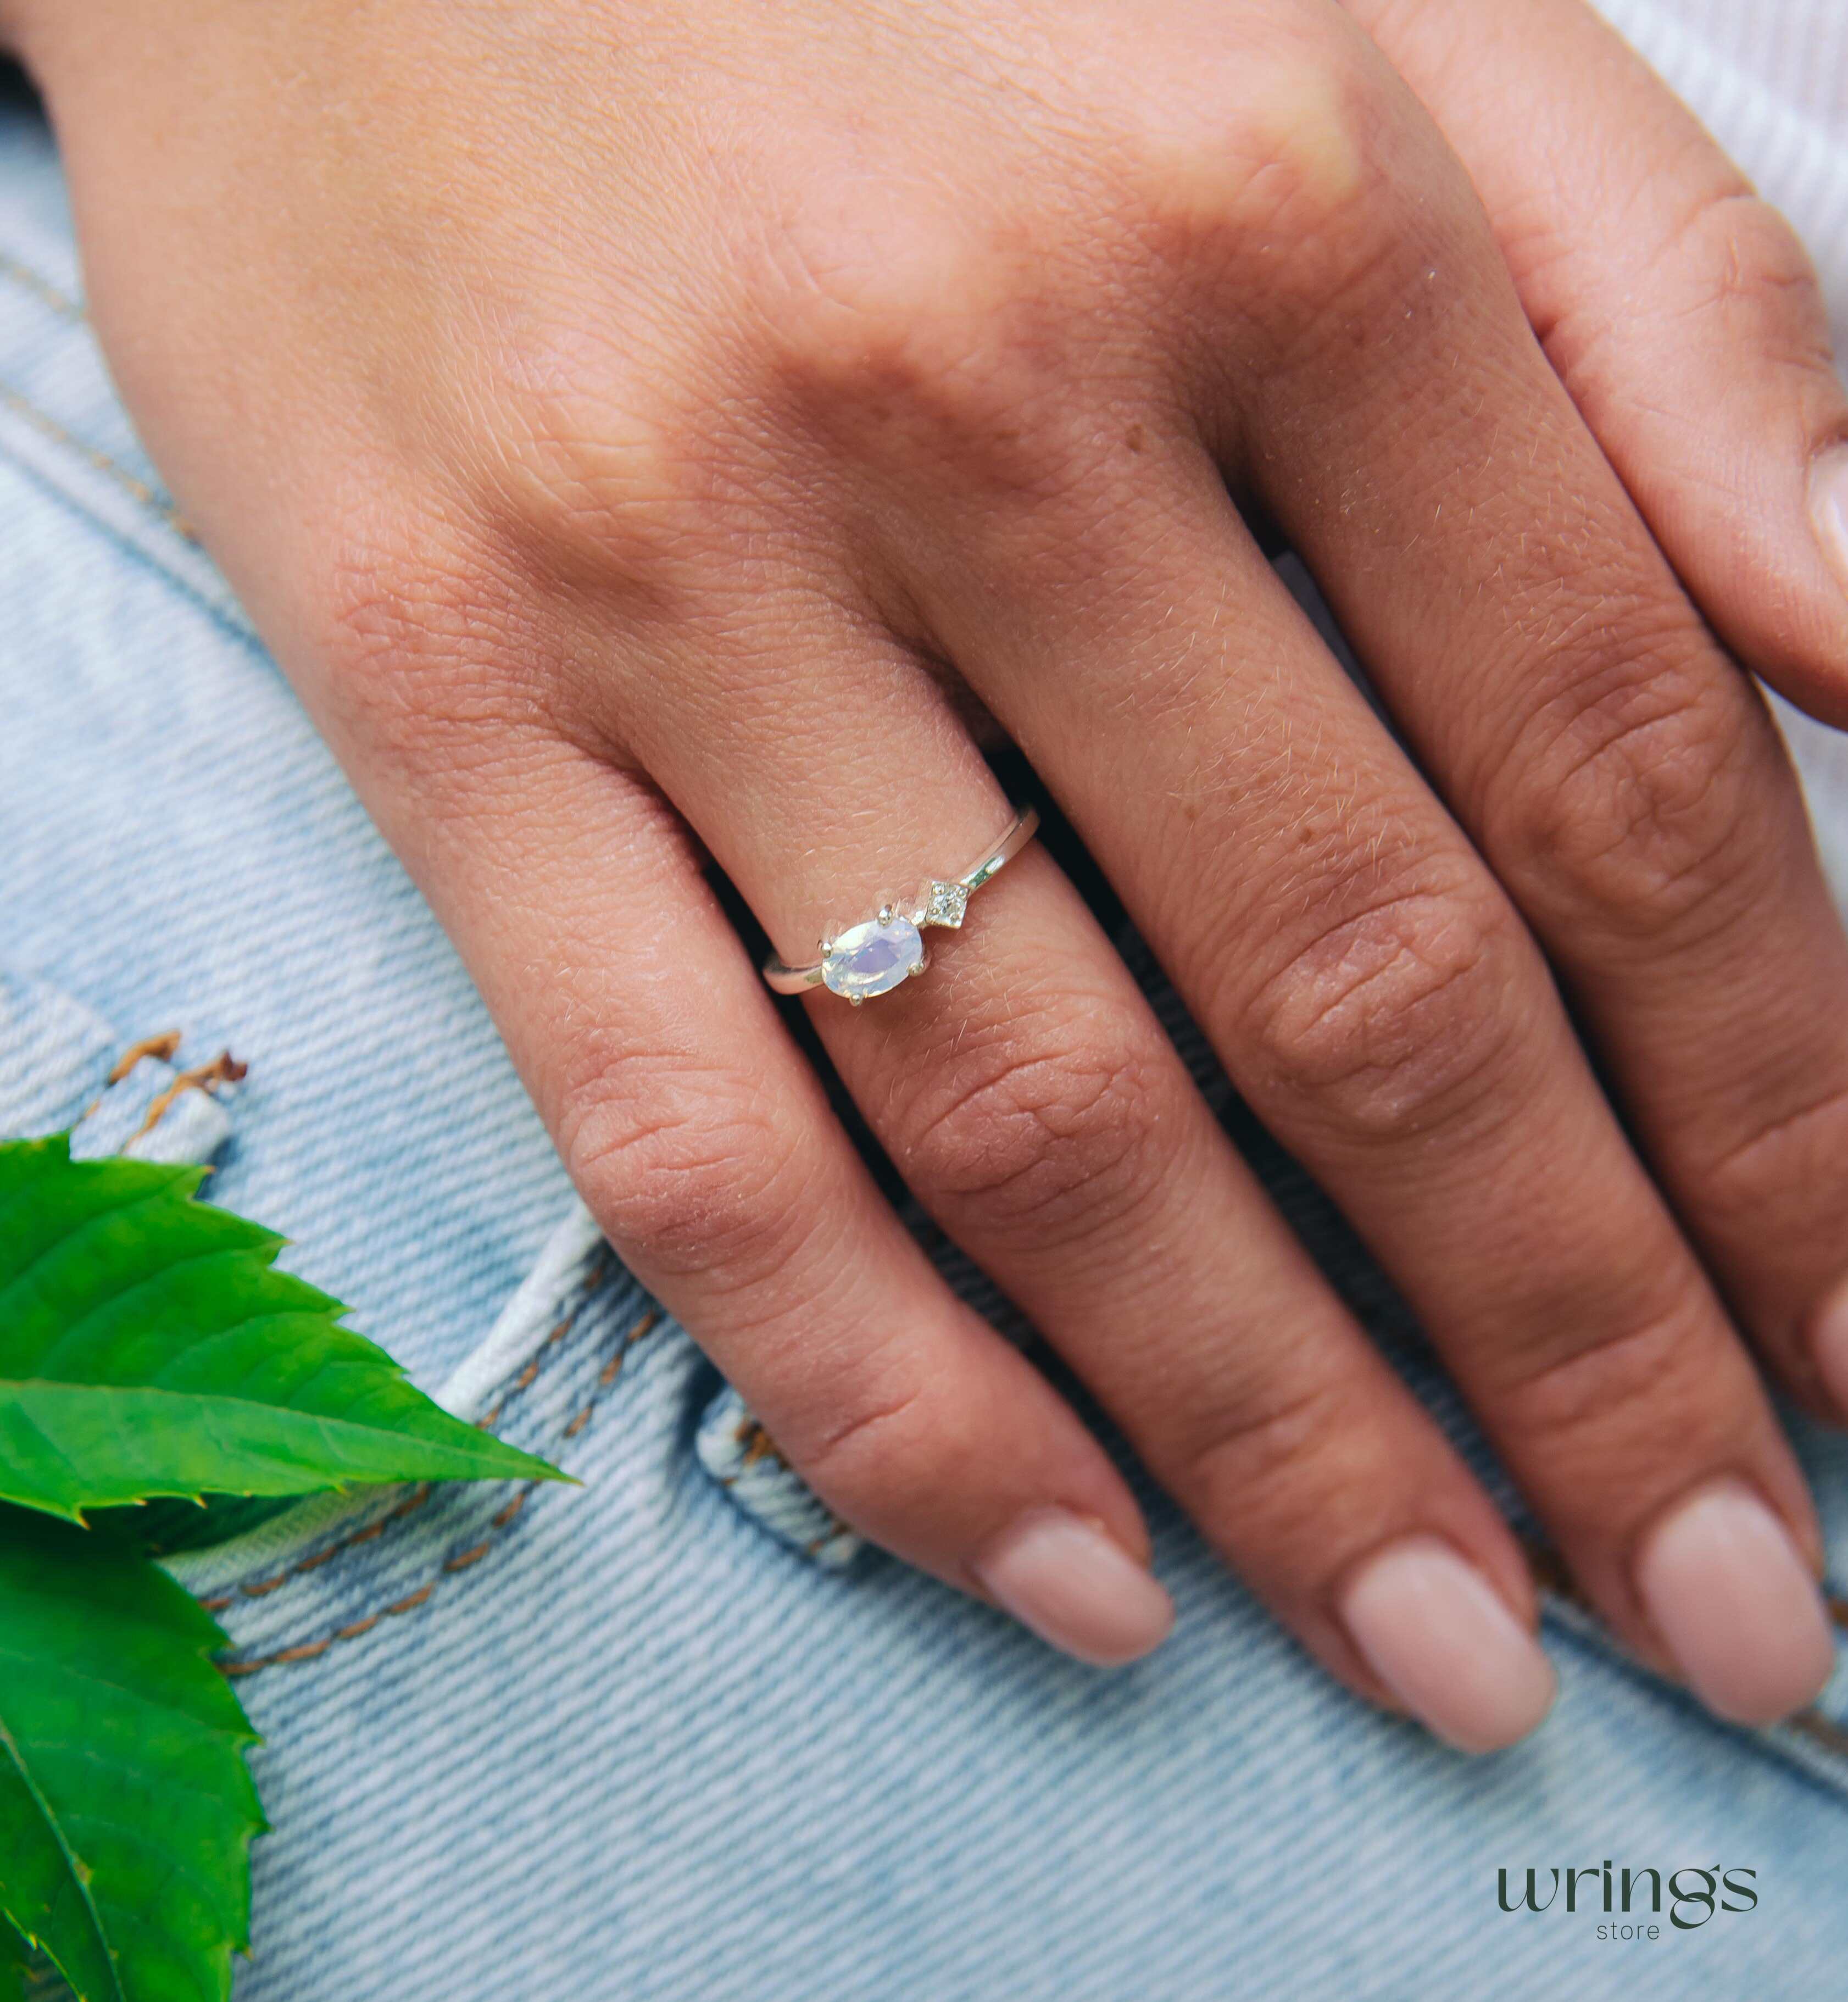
[[40, 286], [132, 483], [422, 1491], [759, 1445], [166, 1046], [223, 1068], [263, 1587], [308, 1651], [592, 1279]]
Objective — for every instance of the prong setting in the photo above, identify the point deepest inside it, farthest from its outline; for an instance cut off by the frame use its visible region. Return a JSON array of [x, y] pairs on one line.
[[944, 904], [873, 957], [878, 954]]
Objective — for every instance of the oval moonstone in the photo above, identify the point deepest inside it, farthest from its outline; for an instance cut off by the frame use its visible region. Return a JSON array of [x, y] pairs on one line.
[[873, 958]]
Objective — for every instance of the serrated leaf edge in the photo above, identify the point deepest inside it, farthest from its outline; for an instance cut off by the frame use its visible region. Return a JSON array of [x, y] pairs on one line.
[[79, 1872], [266, 1244], [179, 1184], [526, 1466]]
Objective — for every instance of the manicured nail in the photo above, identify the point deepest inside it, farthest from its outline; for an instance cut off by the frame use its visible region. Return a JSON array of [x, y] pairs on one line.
[[1828, 1347], [1731, 1595], [1076, 1587], [1442, 1639], [1828, 507]]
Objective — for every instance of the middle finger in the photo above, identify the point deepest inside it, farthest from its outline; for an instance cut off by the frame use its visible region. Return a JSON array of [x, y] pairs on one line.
[[1377, 999]]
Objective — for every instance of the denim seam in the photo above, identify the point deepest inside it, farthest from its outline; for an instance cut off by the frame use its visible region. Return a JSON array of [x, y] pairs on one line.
[[24, 277], [132, 484], [263, 1586], [456, 1560], [17, 271], [226, 620]]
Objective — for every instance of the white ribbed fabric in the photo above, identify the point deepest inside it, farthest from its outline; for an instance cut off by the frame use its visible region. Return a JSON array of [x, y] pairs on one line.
[[1769, 77]]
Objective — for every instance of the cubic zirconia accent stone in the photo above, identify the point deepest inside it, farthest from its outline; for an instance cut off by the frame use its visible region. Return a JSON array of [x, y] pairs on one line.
[[947, 905], [872, 959]]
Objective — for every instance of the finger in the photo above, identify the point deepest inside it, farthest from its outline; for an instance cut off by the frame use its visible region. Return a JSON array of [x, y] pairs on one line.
[[705, 1146], [1378, 1003], [1618, 772], [1027, 1094], [1679, 310]]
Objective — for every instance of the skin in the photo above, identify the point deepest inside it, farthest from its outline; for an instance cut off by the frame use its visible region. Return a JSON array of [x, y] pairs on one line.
[[645, 432]]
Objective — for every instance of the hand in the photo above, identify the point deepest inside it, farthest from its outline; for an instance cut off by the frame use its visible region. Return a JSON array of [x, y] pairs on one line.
[[641, 429]]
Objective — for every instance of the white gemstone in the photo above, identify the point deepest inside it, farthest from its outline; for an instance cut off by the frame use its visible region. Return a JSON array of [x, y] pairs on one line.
[[946, 904], [873, 958]]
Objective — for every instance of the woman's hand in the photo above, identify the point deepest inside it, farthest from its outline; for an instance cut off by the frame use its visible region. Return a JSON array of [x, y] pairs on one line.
[[640, 427]]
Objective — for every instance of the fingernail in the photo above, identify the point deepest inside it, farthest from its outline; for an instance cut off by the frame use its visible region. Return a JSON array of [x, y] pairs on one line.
[[1442, 1639], [1076, 1587], [1736, 1604], [1828, 1347], [1829, 507]]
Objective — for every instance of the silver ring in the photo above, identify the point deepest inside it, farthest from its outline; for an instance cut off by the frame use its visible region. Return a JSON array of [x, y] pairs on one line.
[[886, 949]]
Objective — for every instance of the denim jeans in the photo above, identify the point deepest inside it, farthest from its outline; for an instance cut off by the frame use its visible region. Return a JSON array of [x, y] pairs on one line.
[[669, 1735]]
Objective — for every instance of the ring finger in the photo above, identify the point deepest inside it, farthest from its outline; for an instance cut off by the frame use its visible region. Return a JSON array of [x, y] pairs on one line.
[[1028, 1096]]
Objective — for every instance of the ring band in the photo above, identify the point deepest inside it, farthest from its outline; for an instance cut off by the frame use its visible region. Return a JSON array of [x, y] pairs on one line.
[[886, 951]]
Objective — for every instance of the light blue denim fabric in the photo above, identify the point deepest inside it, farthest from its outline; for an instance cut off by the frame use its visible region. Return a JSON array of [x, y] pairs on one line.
[[633, 1742]]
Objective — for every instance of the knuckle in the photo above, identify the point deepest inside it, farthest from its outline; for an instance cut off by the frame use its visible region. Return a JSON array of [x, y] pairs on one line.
[[1628, 798], [1279, 187], [1303, 121], [917, 340], [879, 1425], [1291, 1469], [1739, 253], [1726, 256], [688, 1167], [1787, 1165], [888, 1437], [1647, 1397], [1050, 1130], [600, 463], [1394, 1019], [1262, 1452]]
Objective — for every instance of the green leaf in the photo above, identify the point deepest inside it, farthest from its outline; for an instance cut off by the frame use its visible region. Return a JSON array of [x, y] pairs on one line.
[[13, 1964], [170, 1525], [125, 1809], [148, 1346]]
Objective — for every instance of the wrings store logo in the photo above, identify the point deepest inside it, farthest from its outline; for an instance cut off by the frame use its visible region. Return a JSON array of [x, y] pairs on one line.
[[1633, 1899]]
